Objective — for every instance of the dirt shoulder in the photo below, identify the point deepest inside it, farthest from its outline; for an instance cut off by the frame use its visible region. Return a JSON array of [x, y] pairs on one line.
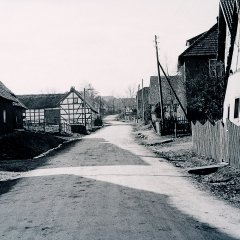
[[18, 150], [24, 145], [225, 183]]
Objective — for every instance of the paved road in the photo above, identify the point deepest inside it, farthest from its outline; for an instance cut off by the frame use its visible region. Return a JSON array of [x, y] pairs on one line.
[[107, 187]]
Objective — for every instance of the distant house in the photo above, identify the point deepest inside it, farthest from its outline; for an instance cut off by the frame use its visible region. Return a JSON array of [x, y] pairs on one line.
[[171, 106], [201, 73], [228, 52], [11, 111], [129, 107], [143, 106], [58, 110], [109, 104]]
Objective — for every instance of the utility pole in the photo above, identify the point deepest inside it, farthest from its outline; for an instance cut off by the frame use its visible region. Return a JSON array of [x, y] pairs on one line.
[[84, 102], [100, 115], [160, 88], [175, 94], [142, 102], [138, 101]]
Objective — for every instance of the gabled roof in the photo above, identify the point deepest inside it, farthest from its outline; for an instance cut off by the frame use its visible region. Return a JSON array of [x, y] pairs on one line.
[[41, 101], [193, 39], [80, 96], [205, 45], [9, 95]]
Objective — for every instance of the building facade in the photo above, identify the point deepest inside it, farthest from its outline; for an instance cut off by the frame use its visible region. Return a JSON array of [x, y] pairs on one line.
[[58, 112], [11, 111], [171, 106], [203, 76], [228, 52], [143, 107]]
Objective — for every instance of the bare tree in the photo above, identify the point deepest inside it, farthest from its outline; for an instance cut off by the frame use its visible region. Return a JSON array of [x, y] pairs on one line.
[[91, 92], [48, 91], [131, 91]]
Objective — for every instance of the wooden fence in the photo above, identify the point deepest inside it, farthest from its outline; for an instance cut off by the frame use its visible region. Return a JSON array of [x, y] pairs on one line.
[[42, 127], [177, 126], [218, 141]]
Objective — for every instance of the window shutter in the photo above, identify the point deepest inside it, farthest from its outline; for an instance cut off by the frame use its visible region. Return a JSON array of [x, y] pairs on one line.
[[236, 108]]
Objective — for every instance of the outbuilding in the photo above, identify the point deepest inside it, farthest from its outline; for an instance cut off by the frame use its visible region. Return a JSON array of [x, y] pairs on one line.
[[11, 111]]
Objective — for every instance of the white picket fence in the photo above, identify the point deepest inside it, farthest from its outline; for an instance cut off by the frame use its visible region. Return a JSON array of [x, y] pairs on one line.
[[218, 141]]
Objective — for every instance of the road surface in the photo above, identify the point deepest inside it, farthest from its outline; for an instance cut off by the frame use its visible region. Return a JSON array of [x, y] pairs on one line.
[[108, 187]]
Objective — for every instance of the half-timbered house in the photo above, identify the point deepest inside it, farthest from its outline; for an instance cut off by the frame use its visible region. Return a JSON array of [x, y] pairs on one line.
[[75, 111], [54, 112]]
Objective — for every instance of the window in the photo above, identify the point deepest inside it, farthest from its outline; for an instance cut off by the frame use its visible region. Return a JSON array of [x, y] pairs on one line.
[[216, 69], [75, 100], [236, 108], [228, 113], [4, 116]]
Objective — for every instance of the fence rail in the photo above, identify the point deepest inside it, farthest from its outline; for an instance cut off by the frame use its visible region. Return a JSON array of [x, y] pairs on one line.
[[218, 141]]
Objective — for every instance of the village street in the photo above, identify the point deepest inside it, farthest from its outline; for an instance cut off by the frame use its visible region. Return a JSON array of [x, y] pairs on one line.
[[108, 187]]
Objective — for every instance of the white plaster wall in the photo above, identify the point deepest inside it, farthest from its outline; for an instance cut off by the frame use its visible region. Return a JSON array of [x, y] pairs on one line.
[[227, 45], [235, 65], [232, 92]]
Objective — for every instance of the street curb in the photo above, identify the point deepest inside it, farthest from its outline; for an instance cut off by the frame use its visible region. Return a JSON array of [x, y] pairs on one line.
[[56, 148]]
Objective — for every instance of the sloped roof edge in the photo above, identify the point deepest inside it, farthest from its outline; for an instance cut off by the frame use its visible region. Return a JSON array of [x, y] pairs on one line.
[[6, 93], [80, 96], [184, 53]]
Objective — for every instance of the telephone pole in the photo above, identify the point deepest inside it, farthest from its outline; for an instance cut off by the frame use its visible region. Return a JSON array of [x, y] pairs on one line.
[[142, 102], [100, 103], [160, 88], [84, 102], [138, 101]]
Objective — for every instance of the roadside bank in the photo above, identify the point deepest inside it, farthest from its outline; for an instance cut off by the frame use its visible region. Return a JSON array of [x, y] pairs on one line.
[[225, 183]]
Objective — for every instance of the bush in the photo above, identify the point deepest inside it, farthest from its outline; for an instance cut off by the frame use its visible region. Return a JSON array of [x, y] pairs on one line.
[[98, 122]]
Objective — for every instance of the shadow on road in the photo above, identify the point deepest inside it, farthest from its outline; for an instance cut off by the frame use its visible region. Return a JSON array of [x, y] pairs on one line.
[[71, 207], [5, 186]]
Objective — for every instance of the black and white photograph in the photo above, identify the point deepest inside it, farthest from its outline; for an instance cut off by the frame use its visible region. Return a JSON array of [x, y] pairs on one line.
[[120, 119]]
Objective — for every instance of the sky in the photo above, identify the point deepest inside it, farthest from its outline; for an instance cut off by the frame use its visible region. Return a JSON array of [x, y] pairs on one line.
[[47, 46]]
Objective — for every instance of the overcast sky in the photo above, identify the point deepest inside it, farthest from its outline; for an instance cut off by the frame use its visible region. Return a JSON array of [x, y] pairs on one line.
[[51, 45]]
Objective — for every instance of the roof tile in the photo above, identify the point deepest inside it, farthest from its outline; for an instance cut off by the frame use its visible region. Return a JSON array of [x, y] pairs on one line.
[[206, 44], [9, 95]]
